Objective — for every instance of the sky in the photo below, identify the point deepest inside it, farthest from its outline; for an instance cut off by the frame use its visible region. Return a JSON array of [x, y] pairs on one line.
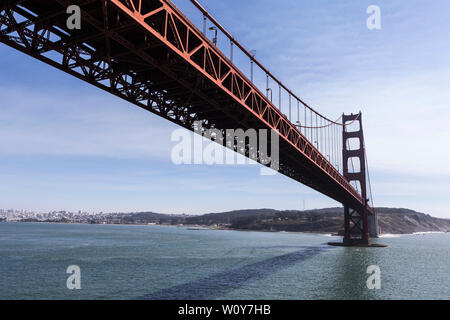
[[66, 145]]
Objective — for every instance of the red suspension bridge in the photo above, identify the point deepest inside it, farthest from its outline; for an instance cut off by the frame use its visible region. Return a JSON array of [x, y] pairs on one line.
[[150, 54]]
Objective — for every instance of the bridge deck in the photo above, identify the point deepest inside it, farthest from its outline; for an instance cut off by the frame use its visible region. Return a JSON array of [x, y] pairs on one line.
[[150, 54]]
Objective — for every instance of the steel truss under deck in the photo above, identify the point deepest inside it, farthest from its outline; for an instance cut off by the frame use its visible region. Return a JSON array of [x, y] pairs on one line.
[[148, 53]]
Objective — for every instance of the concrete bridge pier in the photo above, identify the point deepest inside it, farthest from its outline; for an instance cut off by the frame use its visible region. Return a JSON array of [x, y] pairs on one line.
[[373, 225]]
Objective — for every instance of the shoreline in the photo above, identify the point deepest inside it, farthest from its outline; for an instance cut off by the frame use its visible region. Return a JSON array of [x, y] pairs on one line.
[[205, 228], [186, 226]]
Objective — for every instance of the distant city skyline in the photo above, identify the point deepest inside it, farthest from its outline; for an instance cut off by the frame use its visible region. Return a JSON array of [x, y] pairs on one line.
[[66, 144]]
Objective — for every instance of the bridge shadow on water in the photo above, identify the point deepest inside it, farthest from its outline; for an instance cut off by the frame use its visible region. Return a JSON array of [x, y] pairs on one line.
[[218, 284]]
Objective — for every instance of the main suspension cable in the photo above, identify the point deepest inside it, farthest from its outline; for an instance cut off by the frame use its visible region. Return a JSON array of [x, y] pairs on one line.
[[252, 58]]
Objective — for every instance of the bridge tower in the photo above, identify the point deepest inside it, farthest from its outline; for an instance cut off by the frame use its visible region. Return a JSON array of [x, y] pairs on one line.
[[359, 225]]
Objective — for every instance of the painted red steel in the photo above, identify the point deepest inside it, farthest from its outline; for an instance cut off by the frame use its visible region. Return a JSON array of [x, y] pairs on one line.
[[356, 222], [147, 52]]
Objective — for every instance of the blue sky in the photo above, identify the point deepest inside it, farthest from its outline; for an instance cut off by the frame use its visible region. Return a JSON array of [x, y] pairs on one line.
[[67, 145]]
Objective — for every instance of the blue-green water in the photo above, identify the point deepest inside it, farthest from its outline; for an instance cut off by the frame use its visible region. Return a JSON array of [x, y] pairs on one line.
[[155, 262]]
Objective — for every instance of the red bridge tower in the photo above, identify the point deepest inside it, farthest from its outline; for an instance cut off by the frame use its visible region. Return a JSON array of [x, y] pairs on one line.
[[359, 223]]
